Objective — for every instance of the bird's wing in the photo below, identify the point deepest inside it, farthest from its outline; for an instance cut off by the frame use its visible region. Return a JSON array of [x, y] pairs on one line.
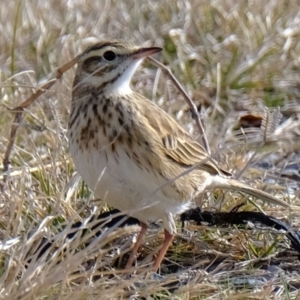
[[178, 145], [187, 152]]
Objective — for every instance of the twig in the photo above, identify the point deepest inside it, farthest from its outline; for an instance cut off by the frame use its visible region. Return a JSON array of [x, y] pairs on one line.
[[190, 102], [37, 168], [60, 71], [20, 109]]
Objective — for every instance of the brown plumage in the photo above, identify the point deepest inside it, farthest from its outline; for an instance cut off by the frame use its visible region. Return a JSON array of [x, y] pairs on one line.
[[131, 153]]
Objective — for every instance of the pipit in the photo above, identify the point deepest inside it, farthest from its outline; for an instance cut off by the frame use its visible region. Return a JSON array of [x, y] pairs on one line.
[[131, 153]]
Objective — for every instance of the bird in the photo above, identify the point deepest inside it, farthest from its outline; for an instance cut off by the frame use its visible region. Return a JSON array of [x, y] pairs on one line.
[[130, 152]]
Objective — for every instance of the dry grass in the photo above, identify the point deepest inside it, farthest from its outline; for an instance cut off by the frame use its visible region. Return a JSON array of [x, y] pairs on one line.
[[233, 58]]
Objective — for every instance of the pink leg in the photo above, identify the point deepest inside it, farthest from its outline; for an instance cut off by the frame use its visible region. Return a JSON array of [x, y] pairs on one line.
[[162, 252], [135, 249]]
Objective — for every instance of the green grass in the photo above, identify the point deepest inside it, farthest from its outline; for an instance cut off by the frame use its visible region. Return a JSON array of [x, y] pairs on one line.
[[233, 57]]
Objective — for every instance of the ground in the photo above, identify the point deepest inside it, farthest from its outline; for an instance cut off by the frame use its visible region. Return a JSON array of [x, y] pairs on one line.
[[239, 62]]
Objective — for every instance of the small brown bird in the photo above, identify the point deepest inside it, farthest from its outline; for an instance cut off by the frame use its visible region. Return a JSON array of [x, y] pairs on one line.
[[131, 153]]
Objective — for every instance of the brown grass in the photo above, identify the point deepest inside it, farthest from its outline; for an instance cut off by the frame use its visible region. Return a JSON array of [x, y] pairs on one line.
[[234, 58]]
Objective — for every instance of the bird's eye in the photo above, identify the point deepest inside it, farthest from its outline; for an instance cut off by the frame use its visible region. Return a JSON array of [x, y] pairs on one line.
[[109, 55]]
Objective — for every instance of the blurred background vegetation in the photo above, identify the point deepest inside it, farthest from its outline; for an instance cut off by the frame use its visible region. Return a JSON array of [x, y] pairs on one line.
[[238, 60]]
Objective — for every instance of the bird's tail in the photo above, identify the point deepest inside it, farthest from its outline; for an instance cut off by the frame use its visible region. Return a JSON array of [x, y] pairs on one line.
[[227, 183]]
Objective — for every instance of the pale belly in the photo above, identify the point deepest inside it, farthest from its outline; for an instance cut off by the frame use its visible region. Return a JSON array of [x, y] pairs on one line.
[[127, 187]]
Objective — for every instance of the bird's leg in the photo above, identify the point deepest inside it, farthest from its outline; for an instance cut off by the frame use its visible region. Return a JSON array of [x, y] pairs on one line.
[[161, 254], [134, 251]]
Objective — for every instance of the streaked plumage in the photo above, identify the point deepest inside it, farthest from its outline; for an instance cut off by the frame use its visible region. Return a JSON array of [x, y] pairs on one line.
[[129, 151]]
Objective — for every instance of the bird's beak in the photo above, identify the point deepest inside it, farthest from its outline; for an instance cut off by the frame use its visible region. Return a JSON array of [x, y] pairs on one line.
[[144, 52]]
